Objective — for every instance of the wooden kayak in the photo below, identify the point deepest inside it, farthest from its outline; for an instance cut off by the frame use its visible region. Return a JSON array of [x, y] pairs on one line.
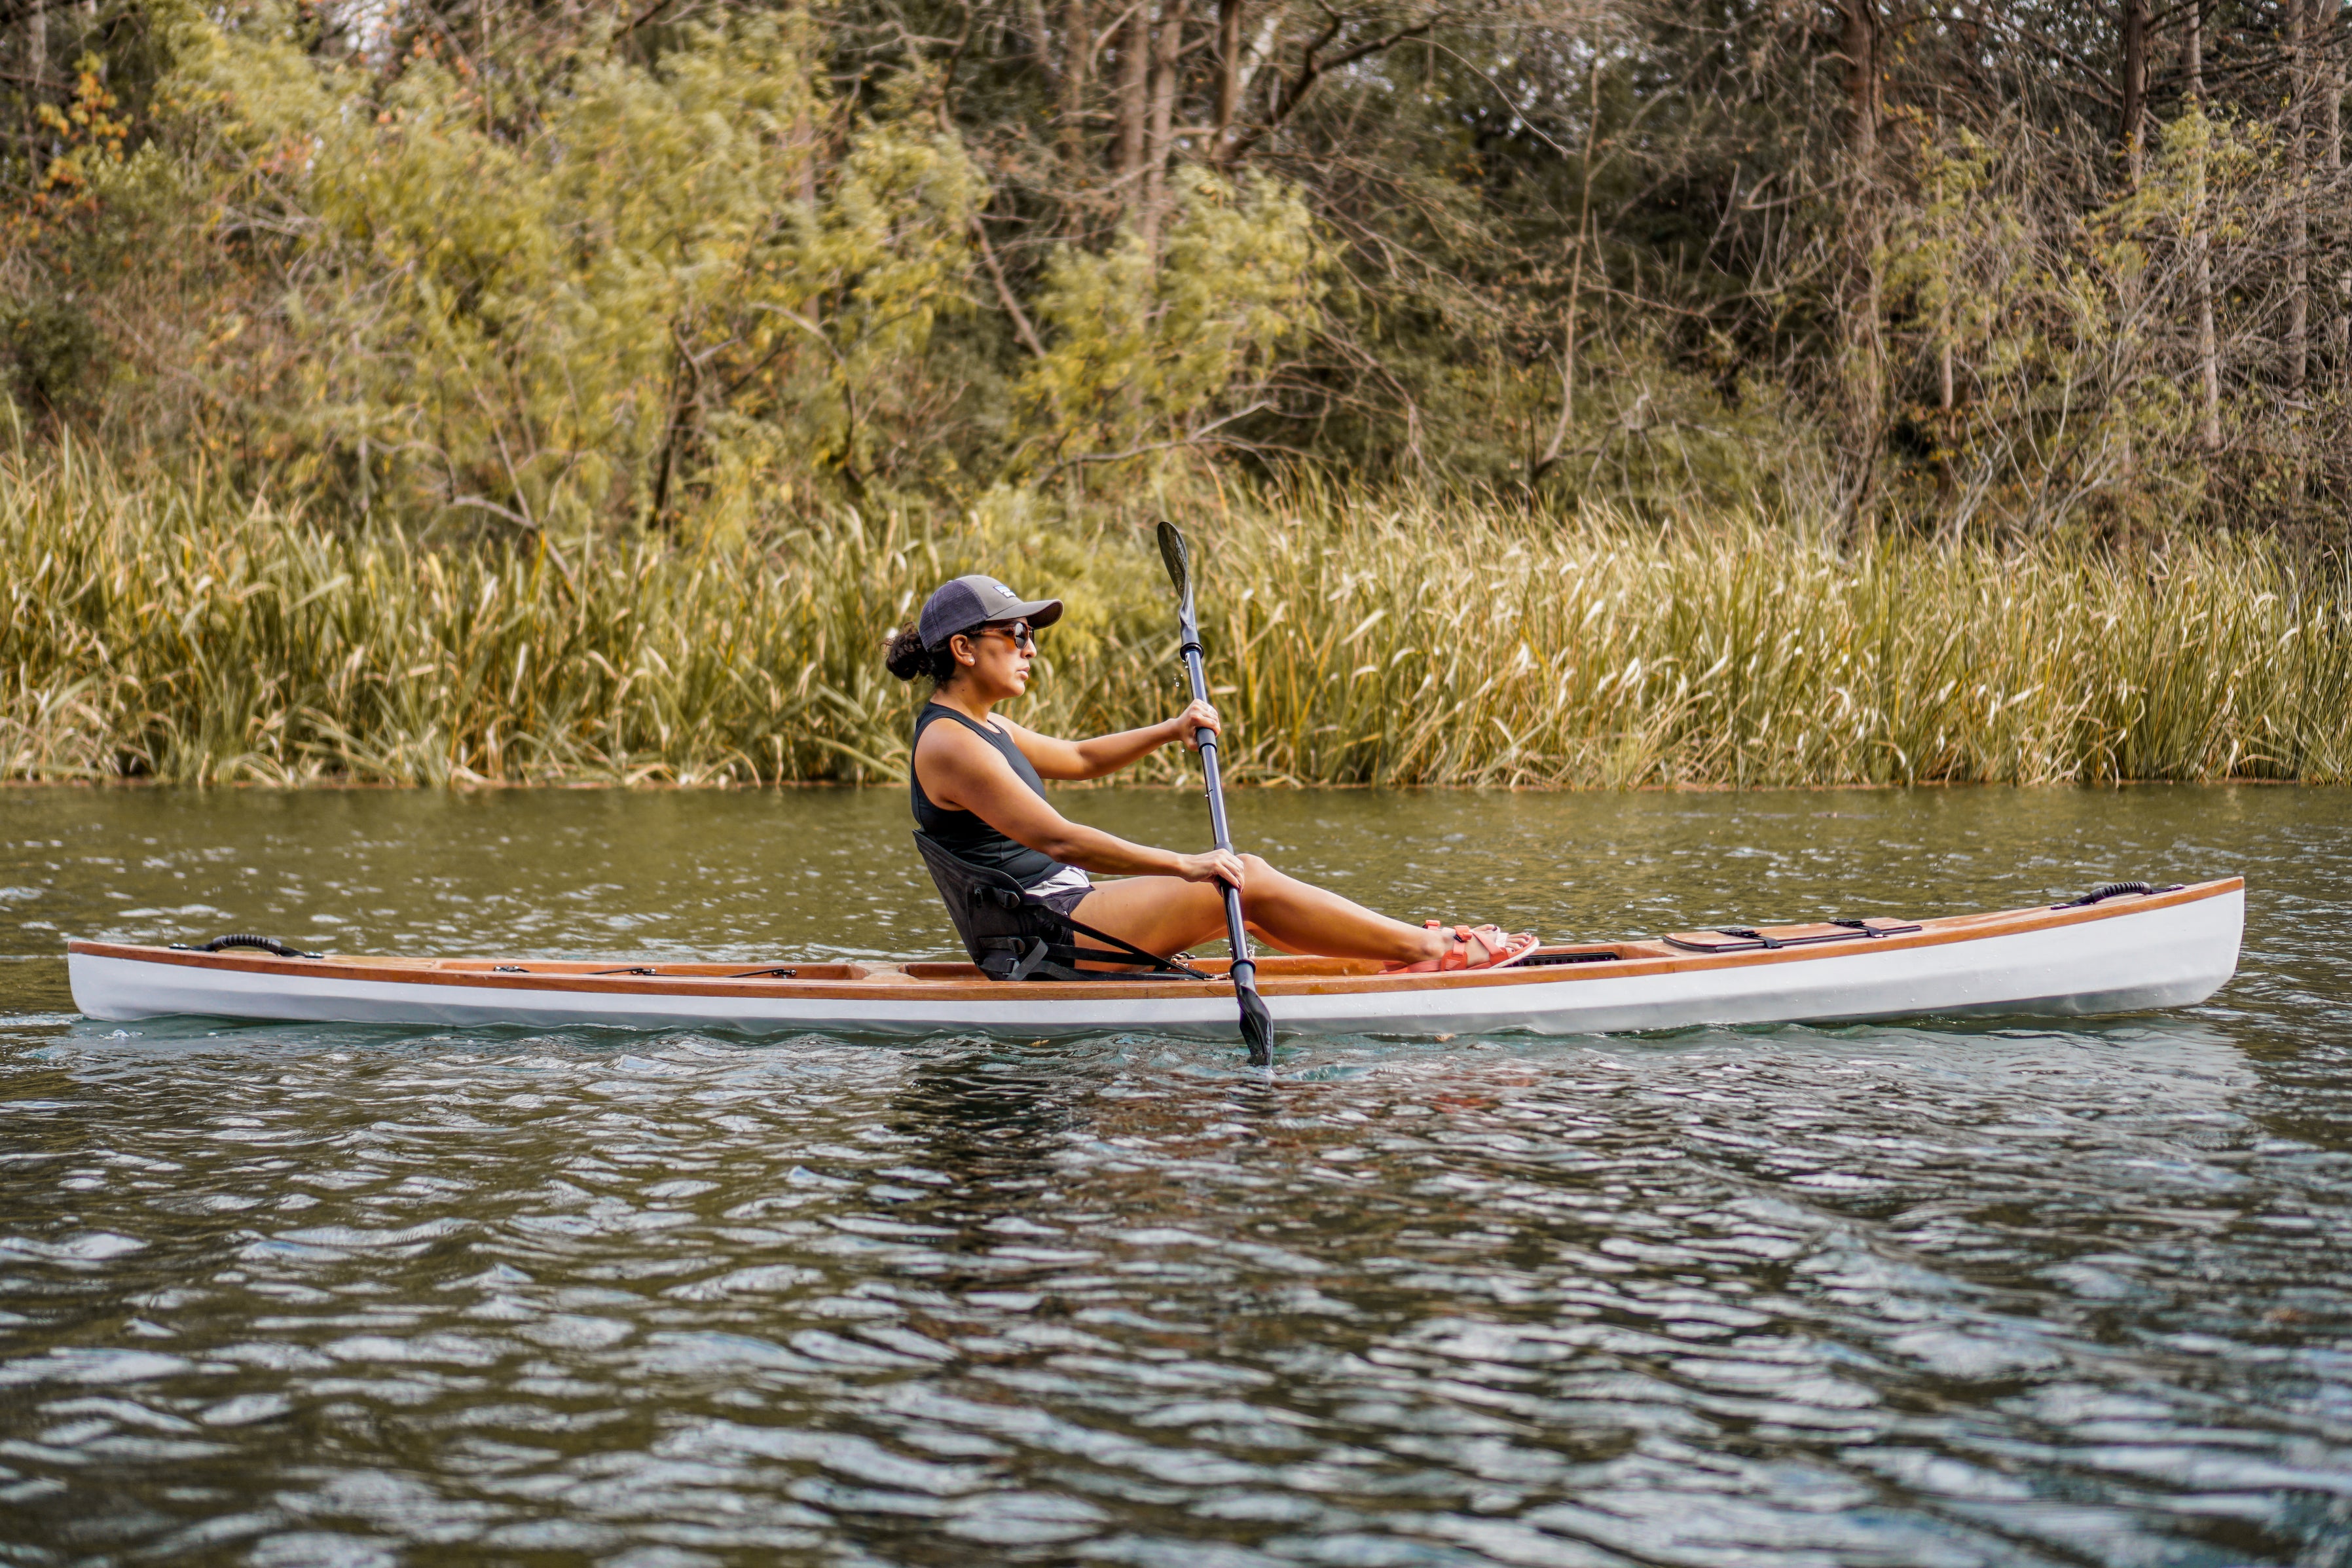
[[2128, 952]]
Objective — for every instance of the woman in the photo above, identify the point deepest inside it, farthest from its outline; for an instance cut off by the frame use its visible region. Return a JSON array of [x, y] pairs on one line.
[[977, 785]]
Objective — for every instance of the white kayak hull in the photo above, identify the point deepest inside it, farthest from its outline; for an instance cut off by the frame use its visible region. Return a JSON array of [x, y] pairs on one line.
[[2130, 954]]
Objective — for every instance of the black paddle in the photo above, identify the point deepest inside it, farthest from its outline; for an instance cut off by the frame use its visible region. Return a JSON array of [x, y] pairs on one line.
[[1258, 1024]]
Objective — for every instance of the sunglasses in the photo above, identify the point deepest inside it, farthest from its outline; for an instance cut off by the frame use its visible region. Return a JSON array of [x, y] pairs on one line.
[[1023, 636]]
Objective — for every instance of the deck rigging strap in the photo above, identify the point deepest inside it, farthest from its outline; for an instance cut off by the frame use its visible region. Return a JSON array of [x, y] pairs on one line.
[[1750, 938]]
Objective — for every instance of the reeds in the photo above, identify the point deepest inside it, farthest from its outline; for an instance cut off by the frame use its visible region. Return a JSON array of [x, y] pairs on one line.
[[1414, 647], [166, 630]]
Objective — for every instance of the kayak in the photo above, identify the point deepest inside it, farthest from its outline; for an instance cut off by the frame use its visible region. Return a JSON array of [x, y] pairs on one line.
[[2125, 948]]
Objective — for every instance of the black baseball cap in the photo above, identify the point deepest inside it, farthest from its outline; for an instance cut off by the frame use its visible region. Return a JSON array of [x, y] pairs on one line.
[[971, 602]]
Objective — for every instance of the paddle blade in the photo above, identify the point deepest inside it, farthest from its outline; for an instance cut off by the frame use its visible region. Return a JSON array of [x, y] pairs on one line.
[[1257, 1026], [1173, 551]]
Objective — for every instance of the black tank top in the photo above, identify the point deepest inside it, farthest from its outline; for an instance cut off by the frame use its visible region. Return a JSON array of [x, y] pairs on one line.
[[966, 832]]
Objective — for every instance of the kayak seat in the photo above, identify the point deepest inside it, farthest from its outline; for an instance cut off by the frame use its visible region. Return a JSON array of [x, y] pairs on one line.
[[1013, 935]]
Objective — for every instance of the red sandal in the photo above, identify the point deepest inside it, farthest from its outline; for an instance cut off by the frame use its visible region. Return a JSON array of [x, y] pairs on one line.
[[1502, 950]]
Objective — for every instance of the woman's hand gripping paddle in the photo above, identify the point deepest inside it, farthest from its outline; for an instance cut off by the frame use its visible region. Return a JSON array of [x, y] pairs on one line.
[[1258, 1024]]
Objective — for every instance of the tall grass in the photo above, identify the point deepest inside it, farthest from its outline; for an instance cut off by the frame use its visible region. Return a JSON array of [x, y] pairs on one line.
[[168, 631], [1411, 647]]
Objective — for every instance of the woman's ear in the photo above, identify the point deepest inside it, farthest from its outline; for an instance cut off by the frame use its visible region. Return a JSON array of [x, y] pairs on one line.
[[959, 645]]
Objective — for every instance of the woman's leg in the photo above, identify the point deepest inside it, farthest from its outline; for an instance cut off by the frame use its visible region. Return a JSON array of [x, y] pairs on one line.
[[1167, 914]]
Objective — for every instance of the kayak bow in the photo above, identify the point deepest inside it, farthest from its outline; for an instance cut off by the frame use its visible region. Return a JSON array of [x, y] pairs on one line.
[[2128, 953]]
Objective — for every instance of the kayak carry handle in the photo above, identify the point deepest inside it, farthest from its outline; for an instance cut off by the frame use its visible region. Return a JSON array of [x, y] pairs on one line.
[[269, 945]]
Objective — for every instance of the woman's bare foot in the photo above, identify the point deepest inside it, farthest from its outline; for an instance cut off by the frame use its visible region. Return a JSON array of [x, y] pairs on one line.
[[1468, 947]]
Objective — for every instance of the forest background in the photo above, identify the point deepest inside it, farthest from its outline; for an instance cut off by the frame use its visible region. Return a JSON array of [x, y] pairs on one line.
[[1609, 391]]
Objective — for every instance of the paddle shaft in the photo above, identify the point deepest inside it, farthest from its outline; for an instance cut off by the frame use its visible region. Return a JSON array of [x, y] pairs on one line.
[[1245, 970], [1258, 1023], [1207, 738]]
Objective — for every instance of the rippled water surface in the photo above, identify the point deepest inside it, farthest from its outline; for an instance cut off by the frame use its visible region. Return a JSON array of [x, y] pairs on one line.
[[1931, 1294]]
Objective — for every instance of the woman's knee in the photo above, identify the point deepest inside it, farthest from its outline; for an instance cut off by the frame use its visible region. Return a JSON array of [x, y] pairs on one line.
[[1255, 866]]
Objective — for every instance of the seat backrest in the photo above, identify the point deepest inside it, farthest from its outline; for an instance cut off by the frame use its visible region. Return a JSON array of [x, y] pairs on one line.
[[1011, 934], [986, 905]]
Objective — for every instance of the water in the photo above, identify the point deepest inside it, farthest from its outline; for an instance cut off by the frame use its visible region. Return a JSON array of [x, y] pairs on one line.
[[1931, 1294]]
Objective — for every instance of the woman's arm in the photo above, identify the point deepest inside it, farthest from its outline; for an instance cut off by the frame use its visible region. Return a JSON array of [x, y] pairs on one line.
[[1057, 758], [962, 772]]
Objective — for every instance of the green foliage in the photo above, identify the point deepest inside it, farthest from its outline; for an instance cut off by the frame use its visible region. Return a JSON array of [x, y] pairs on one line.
[[563, 272], [2062, 405], [690, 292], [1145, 348], [608, 291], [55, 350], [1654, 439]]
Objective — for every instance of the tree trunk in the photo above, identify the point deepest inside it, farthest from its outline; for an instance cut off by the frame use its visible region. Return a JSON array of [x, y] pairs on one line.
[[2298, 168], [804, 137], [1229, 75], [2131, 135], [1865, 381], [2328, 42], [1859, 46], [2133, 130], [1041, 41], [2209, 365], [1536, 470], [1077, 65], [36, 66], [1167, 71], [1134, 105]]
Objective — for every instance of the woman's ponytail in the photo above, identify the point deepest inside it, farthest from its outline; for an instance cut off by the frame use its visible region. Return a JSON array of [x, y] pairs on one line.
[[906, 658]]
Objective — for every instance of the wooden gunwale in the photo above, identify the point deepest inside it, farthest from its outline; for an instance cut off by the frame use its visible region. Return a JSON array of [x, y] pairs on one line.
[[1277, 976]]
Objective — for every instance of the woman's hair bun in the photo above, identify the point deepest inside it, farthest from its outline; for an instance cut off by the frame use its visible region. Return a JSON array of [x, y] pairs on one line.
[[906, 657]]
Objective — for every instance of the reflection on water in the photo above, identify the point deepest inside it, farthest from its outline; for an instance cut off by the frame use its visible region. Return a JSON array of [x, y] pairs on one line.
[[1981, 1293]]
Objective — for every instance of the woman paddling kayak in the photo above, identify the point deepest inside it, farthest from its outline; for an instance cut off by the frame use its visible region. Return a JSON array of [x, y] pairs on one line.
[[977, 785]]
